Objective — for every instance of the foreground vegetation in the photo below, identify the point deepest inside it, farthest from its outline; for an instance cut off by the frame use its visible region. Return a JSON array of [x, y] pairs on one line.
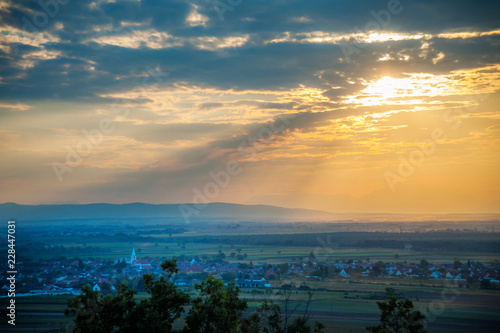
[[343, 308], [216, 309]]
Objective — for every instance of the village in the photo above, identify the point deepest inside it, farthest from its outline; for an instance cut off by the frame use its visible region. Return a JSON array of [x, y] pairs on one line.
[[68, 276]]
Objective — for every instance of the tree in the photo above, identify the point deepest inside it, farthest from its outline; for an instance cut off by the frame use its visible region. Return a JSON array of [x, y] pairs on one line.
[[457, 264], [390, 291], [216, 309], [97, 313], [165, 304], [470, 281], [268, 319], [398, 317], [378, 269], [106, 288], [120, 265], [485, 284], [228, 276], [424, 264]]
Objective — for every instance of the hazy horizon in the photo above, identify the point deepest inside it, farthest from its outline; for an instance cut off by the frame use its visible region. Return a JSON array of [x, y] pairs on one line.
[[258, 212]]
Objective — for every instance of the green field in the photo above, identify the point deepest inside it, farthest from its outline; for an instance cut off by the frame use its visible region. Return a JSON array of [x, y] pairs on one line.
[[269, 254], [343, 305], [347, 308]]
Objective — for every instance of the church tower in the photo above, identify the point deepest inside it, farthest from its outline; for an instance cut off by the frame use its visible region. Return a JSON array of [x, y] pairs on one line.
[[133, 257]]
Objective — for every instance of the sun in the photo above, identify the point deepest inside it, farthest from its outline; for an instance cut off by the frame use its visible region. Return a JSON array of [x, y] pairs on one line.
[[388, 87], [387, 90]]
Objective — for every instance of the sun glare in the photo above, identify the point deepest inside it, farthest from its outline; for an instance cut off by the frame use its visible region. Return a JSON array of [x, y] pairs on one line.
[[418, 87], [409, 90], [388, 87], [388, 90]]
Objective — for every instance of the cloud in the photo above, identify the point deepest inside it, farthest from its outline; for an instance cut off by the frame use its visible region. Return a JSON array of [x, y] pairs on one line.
[[139, 38], [210, 105], [15, 107], [226, 86], [195, 18]]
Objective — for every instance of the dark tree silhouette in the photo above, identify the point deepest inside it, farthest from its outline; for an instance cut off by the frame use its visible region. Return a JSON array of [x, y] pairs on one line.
[[217, 309], [97, 313], [268, 319], [398, 317]]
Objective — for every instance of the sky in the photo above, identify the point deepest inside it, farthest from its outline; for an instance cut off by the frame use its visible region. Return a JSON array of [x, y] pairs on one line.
[[344, 106]]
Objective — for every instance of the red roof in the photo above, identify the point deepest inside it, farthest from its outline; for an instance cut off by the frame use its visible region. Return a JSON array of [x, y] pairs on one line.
[[140, 262]]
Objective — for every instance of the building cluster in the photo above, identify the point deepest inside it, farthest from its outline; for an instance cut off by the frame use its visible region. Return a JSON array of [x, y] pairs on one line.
[[68, 277]]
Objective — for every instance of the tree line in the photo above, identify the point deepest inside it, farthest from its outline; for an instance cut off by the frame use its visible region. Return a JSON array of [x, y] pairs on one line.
[[216, 309]]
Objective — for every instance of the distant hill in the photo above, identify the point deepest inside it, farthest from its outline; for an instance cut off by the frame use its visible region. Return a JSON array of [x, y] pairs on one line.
[[213, 210], [142, 210]]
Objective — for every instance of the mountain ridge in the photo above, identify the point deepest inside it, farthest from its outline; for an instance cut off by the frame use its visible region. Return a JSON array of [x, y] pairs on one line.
[[16, 211]]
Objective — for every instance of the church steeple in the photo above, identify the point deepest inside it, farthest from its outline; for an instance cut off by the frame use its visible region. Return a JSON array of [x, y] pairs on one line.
[[133, 257]]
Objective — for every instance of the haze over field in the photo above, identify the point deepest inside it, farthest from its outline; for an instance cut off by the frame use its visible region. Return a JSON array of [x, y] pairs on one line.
[[222, 212], [341, 106]]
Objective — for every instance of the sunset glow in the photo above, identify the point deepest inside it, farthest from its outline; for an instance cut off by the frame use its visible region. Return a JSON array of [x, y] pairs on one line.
[[319, 107]]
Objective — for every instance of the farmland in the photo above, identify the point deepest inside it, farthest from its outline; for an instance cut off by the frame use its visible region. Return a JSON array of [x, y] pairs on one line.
[[347, 308], [346, 304]]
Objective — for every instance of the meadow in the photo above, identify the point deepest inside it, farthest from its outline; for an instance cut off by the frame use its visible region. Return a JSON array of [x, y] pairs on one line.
[[346, 308], [342, 304]]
